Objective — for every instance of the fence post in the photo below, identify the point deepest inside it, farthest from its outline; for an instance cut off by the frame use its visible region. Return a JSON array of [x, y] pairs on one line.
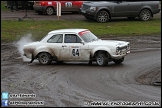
[[58, 9]]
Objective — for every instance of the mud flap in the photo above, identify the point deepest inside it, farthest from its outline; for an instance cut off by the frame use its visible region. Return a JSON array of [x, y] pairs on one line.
[[32, 59]]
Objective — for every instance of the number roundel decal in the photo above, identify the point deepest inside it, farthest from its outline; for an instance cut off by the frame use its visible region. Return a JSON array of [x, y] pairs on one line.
[[75, 52], [68, 4]]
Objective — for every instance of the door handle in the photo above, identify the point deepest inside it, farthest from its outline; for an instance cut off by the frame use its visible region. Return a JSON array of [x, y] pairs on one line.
[[64, 46]]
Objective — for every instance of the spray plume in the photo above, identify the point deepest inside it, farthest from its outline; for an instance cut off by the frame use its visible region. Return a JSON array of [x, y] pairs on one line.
[[20, 44]]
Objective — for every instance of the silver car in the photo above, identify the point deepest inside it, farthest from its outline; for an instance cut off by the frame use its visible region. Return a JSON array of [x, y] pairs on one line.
[[102, 11]]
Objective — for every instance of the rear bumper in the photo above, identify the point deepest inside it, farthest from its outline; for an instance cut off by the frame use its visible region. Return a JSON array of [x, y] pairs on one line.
[[156, 11]]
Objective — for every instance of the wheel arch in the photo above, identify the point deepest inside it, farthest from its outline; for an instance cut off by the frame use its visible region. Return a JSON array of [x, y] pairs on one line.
[[43, 49], [147, 9], [102, 49], [42, 52]]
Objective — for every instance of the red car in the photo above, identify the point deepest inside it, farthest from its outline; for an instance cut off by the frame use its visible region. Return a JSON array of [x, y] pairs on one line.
[[50, 7]]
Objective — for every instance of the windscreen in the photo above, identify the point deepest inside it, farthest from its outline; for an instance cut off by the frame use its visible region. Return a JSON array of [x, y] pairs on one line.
[[87, 36]]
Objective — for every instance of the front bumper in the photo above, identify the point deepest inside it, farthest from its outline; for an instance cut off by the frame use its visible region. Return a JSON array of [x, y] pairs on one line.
[[120, 55], [88, 13]]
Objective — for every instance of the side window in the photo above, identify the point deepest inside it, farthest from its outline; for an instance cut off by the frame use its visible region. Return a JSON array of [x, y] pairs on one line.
[[78, 40], [72, 38], [56, 39]]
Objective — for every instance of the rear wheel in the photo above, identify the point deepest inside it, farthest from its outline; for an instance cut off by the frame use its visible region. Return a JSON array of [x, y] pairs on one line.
[[50, 11], [102, 59], [44, 58], [145, 15]]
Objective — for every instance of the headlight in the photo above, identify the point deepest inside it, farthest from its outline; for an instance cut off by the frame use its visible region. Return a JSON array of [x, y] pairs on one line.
[[117, 50], [128, 47], [81, 6], [93, 8]]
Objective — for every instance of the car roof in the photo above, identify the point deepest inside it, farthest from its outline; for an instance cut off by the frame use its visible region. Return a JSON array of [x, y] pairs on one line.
[[75, 30]]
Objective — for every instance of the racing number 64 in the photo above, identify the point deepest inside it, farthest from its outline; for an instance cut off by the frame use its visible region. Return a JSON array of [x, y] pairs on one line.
[[75, 52]]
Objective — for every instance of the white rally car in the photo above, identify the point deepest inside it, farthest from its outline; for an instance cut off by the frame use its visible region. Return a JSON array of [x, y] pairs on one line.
[[76, 45]]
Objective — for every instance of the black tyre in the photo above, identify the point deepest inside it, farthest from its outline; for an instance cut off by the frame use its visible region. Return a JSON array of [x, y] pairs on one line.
[[44, 58], [102, 59], [50, 11], [118, 61], [145, 15], [102, 16]]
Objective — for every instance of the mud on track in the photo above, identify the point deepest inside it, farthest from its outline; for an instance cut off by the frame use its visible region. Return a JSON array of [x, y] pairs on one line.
[[77, 84]]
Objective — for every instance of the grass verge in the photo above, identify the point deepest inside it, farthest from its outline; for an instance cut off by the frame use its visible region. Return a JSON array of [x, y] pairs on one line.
[[12, 30]]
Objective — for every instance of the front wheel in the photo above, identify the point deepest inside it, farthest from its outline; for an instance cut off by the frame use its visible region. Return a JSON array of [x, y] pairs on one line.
[[102, 16], [44, 58], [102, 59], [145, 15]]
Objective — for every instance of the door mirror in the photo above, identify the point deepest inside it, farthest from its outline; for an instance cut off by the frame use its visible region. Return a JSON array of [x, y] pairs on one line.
[[83, 42]]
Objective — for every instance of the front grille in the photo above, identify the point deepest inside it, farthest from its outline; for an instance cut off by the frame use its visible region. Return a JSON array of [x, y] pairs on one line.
[[85, 7], [121, 48]]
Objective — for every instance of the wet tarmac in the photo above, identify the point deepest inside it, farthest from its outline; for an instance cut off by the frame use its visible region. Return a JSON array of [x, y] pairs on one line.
[[78, 84]]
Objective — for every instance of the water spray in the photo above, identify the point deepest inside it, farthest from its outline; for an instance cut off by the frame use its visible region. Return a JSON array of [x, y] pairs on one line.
[[20, 44]]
